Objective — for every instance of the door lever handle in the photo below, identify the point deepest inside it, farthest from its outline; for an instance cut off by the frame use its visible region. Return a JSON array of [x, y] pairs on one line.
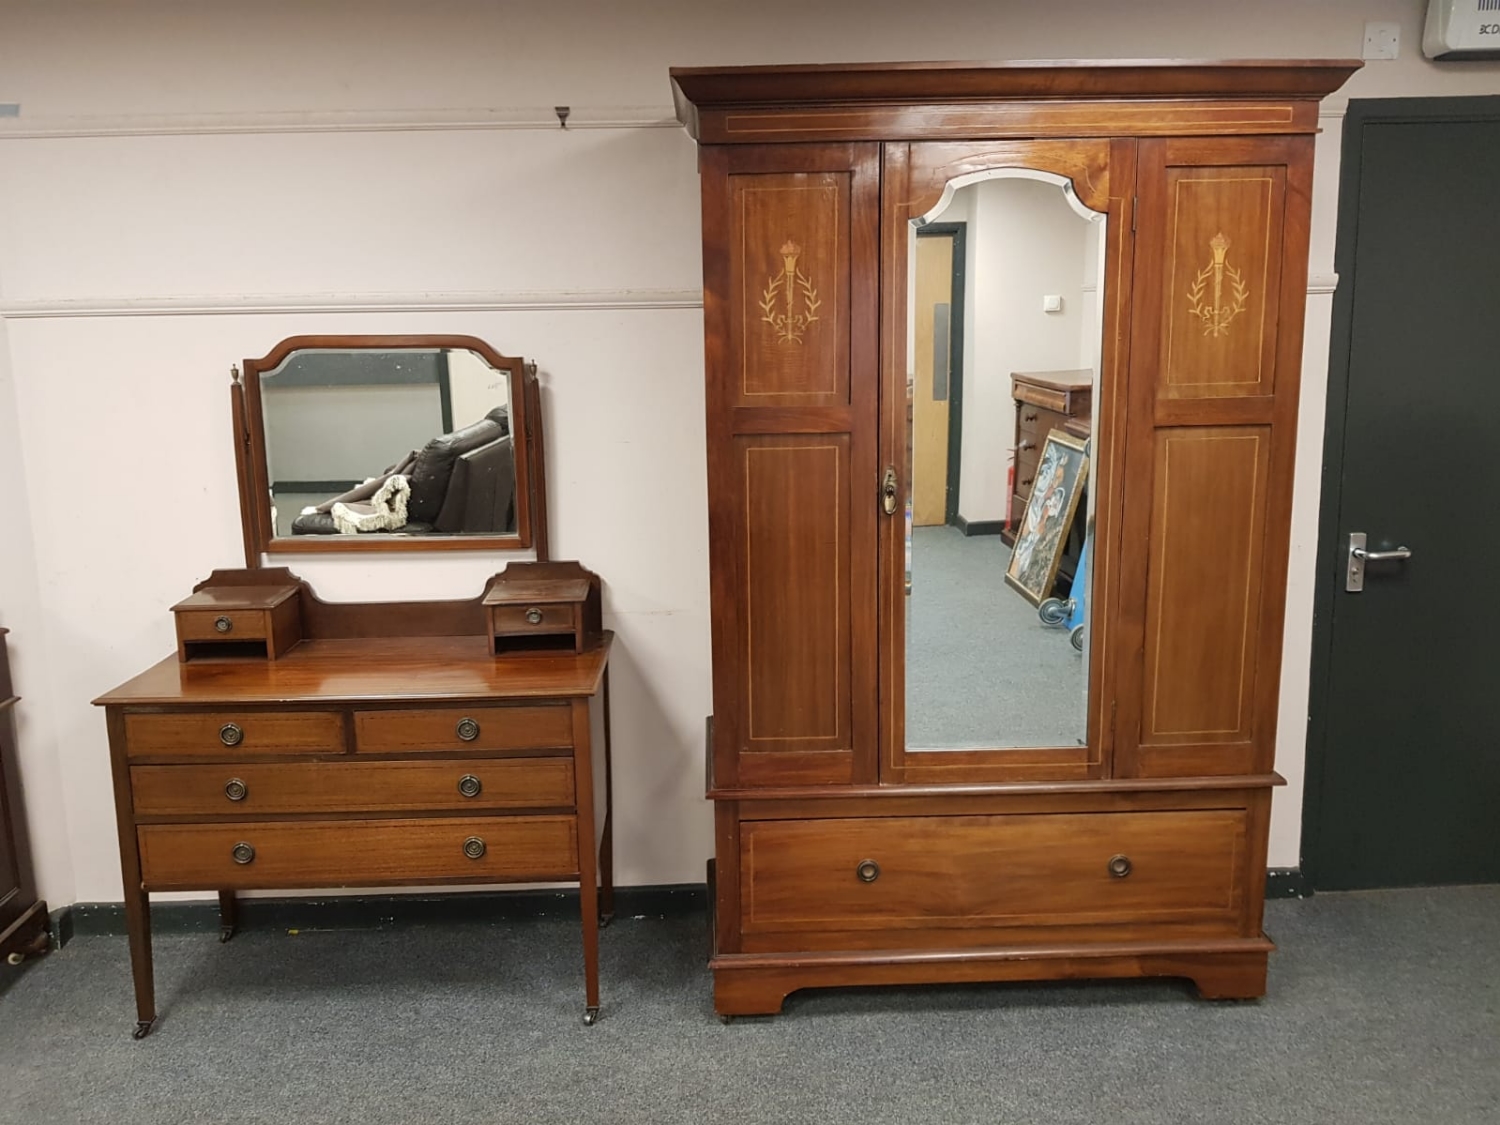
[[1380, 556], [1359, 554]]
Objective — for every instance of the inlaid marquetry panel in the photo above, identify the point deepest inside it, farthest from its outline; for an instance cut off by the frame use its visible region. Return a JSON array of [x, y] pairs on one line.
[[789, 271], [796, 611], [1203, 596], [1222, 234]]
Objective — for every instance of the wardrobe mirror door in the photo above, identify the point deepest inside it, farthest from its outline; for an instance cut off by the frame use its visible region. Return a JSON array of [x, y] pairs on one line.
[[1004, 319]]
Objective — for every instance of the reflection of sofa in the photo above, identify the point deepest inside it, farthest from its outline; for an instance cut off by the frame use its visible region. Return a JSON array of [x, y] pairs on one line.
[[462, 483]]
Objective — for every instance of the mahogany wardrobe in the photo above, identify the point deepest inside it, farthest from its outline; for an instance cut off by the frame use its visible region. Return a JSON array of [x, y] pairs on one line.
[[1106, 817]]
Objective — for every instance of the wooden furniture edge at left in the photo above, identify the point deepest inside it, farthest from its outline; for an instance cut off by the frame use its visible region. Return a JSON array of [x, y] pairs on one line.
[[24, 925], [386, 748]]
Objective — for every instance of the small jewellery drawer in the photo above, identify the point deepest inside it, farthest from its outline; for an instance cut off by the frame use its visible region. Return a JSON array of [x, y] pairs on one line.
[[261, 788], [334, 853], [533, 618], [463, 728], [1012, 870], [240, 732], [227, 625]]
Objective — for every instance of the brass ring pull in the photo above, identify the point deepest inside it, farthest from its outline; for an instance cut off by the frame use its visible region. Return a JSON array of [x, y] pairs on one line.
[[467, 729], [534, 615], [242, 853], [1029, 417], [469, 785], [474, 847], [231, 734], [223, 624], [1120, 866], [868, 871], [235, 789]]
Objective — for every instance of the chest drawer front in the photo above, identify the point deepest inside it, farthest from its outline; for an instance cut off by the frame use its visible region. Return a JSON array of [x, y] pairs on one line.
[[357, 852], [250, 789], [225, 625], [1043, 869], [234, 732], [442, 729], [542, 618]]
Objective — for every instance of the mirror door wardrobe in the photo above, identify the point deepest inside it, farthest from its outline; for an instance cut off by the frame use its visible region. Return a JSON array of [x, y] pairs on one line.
[[916, 776]]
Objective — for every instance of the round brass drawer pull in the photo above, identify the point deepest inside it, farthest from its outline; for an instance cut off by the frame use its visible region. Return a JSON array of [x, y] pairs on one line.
[[868, 871], [235, 789], [469, 785], [468, 730], [242, 853], [223, 624], [474, 847], [534, 615], [1119, 866], [231, 734]]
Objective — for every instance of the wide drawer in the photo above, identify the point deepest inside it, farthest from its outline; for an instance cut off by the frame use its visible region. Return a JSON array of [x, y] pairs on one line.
[[357, 852], [251, 788], [1036, 422], [1021, 870], [441, 729], [237, 732]]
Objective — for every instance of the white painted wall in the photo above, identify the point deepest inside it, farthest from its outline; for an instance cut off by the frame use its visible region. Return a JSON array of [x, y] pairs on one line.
[[189, 182]]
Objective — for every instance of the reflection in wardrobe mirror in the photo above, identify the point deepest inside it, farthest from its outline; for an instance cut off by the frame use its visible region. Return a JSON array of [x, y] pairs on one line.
[[1004, 321]]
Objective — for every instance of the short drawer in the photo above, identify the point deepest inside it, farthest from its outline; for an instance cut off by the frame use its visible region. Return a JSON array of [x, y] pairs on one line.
[[236, 732], [1037, 421], [228, 625], [444, 729], [256, 788], [331, 853], [975, 871], [521, 619]]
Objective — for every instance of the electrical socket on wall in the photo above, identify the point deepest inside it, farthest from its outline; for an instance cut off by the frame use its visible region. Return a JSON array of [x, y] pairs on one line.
[[1382, 40]]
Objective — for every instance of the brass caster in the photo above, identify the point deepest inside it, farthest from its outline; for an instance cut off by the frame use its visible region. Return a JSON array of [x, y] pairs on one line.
[[142, 1028], [606, 919], [15, 958], [726, 1020], [590, 1017], [225, 933]]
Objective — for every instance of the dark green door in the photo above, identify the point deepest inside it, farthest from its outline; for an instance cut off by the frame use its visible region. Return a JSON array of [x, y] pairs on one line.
[[1404, 748]]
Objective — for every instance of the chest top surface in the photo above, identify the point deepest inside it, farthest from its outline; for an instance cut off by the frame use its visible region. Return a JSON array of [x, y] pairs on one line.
[[370, 670]]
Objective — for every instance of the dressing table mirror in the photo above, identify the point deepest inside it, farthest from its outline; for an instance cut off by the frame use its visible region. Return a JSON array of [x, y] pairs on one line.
[[379, 443]]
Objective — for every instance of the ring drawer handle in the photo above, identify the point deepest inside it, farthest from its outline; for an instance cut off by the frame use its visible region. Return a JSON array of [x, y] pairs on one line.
[[534, 615], [223, 624], [474, 847], [1026, 445], [242, 853], [469, 785], [868, 871], [1120, 866], [1029, 417], [468, 730], [235, 789], [231, 734]]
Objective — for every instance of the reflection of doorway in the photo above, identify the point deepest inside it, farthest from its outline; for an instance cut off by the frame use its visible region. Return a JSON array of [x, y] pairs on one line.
[[937, 392]]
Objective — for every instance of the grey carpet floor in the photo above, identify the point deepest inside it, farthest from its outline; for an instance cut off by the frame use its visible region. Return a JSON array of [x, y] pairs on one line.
[[981, 668], [1384, 1007]]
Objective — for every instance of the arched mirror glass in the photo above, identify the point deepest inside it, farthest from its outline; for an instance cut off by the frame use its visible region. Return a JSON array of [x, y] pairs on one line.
[[1004, 329], [397, 442]]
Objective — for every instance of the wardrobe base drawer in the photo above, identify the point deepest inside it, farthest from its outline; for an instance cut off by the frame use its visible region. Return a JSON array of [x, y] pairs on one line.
[[328, 853], [1031, 870], [242, 789]]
